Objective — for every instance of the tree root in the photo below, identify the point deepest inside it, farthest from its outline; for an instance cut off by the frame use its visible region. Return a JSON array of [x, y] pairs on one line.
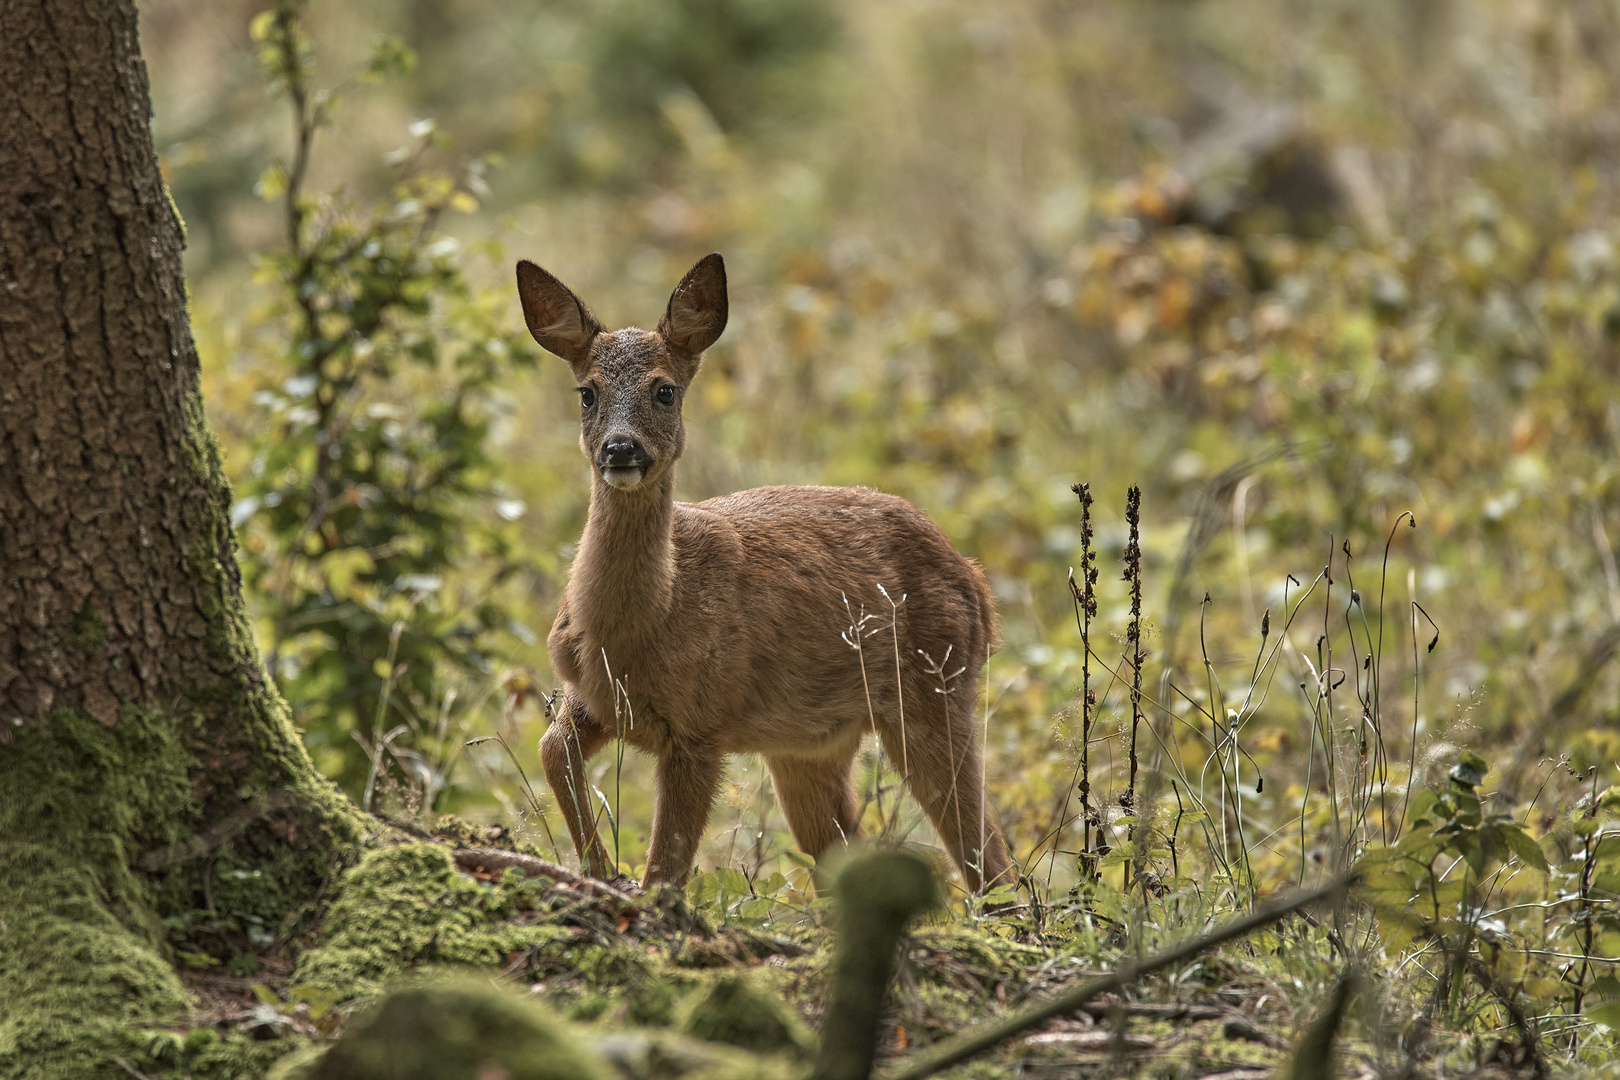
[[493, 860]]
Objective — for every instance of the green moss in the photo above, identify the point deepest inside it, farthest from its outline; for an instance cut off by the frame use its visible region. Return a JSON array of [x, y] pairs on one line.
[[981, 1070], [737, 1012], [82, 958], [89, 632], [405, 907], [466, 1028], [650, 1004], [607, 967], [589, 1007], [463, 832], [82, 955], [452, 1031]]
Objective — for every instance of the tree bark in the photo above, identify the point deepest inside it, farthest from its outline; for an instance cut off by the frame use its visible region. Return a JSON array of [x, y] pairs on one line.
[[147, 767]]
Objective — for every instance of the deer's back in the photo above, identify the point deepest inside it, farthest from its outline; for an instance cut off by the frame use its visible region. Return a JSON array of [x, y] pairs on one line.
[[799, 587], [813, 540]]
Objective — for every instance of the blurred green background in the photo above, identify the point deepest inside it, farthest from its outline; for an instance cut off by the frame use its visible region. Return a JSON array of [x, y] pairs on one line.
[[1293, 267]]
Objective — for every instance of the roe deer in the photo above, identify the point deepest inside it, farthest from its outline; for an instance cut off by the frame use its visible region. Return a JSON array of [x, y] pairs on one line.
[[697, 630]]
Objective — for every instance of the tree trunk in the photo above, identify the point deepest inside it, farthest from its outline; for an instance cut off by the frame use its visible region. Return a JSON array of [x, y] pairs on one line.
[[148, 770]]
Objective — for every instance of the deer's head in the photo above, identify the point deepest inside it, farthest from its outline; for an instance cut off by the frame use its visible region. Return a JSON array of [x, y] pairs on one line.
[[631, 382]]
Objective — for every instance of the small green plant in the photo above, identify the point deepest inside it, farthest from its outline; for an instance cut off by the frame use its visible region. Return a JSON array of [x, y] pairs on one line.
[[1431, 883], [727, 894]]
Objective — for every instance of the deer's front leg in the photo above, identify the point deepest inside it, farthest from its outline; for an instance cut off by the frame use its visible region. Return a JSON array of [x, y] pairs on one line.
[[687, 779], [573, 737]]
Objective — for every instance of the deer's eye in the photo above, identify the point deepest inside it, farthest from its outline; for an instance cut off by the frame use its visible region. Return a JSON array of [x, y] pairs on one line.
[[587, 397], [665, 395]]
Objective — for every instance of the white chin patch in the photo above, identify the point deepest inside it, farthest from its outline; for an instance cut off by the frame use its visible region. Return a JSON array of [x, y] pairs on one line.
[[624, 479]]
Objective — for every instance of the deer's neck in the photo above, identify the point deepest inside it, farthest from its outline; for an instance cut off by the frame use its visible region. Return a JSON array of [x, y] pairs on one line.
[[624, 575]]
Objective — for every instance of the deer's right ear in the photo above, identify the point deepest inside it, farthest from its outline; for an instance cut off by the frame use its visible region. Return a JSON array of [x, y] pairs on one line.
[[556, 317]]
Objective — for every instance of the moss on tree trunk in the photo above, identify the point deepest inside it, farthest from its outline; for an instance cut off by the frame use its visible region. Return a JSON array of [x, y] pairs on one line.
[[147, 767]]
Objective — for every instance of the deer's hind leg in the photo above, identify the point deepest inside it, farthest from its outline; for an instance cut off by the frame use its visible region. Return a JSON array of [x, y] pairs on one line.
[[573, 737], [937, 747], [817, 796]]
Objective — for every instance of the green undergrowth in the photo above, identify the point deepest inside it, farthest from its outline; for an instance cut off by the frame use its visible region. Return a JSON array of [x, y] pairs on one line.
[[663, 994]]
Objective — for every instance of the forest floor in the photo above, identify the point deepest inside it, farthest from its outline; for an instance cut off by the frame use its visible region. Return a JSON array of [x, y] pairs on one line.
[[662, 986]]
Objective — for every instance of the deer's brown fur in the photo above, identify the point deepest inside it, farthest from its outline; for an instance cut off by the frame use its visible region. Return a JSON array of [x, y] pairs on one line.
[[698, 630]]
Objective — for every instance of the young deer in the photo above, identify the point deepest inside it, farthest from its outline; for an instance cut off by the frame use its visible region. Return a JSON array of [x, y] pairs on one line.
[[736, 625]]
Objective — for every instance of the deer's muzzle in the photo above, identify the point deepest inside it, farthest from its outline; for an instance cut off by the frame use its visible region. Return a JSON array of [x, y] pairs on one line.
[[623, 461]]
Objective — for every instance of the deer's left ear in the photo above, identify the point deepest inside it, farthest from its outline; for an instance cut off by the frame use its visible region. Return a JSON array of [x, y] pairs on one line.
[[557, 319], [696, 315]]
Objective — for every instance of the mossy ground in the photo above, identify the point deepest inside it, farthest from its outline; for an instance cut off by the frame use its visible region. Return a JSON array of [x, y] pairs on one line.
[[660, 994], [87, 960], [103, 973]]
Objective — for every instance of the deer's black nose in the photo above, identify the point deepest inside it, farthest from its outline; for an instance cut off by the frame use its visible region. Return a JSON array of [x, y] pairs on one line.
[[622, 452]]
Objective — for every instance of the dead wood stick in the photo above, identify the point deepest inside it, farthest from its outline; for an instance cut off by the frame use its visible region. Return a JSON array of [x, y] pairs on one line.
[[533, 866], [1099, 1010], [967, 1045]]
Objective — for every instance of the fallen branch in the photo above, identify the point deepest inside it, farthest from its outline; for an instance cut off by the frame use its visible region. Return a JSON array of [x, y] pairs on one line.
[[1153, 1010], [959, 1049], [492, 860]]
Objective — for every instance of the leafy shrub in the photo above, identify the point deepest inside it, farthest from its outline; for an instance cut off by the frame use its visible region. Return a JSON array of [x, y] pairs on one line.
[[377, 535]]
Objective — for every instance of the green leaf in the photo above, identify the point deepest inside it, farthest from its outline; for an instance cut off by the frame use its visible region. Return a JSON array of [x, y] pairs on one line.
[[731, 880], [1398, 930], [1544, 988], [1528, 851], [757, 909], [272, 184], [1001, 894], [701, 887], [1422, 802], [1123, 853]]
